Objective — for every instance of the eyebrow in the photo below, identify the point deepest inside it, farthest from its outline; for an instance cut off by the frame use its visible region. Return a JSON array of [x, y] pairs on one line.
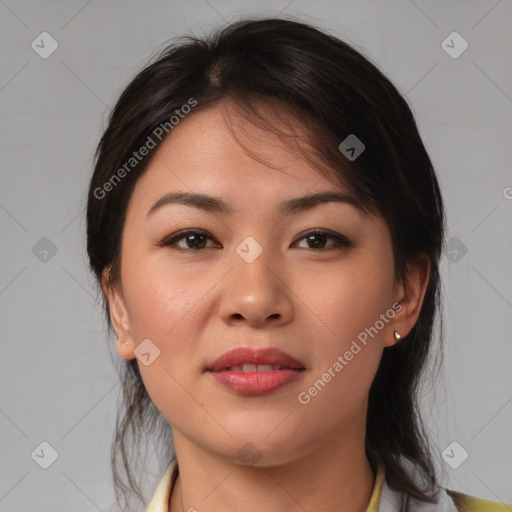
[[217, 205]]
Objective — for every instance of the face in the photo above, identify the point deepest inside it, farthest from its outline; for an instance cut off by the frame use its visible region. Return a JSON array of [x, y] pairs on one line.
[[197, 282]]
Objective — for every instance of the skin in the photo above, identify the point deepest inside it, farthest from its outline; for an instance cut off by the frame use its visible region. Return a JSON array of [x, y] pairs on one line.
[[309, 302]]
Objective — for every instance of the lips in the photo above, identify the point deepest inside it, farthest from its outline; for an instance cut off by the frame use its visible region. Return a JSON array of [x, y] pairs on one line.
[[247, 371], [248, 367], [245, 359]]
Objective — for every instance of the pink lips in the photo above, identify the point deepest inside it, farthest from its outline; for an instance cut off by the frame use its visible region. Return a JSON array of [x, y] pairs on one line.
[[227, 370], [242, 355]]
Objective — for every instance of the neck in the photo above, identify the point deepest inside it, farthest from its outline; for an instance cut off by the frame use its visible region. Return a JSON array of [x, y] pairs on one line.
[[326, 479]]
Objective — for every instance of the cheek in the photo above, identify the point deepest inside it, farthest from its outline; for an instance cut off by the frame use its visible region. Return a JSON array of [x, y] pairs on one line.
[[163, 305], [343, 300], [347, 311], [346, 351], [162, 308], [160, 296]]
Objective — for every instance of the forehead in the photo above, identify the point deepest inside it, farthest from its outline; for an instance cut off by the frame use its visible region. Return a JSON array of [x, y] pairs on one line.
[[218, 149]]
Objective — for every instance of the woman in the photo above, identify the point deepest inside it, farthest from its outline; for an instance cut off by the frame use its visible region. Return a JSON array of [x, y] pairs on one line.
[[266, 227]]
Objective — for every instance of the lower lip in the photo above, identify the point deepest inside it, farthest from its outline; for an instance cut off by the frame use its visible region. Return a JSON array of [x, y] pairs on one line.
[[256, 383]]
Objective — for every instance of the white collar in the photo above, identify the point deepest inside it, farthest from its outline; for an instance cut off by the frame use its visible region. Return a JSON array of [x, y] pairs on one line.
[[389, 500]]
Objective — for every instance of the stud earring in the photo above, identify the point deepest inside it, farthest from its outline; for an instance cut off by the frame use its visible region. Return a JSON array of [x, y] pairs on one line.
[[125, 342], [397, 335]]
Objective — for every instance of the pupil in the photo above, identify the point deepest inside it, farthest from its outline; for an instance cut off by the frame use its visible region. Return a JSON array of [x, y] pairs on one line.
[[191, 237], [312, 237]]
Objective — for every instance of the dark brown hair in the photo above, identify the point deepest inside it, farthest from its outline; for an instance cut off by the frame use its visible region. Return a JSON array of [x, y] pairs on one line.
[[333, 91]]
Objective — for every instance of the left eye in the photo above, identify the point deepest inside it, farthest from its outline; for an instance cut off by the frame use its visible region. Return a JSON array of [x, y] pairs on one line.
[[195, 240], [319, 237]]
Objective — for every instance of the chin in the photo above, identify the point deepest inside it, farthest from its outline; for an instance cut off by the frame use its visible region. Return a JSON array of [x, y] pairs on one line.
[[257, 450]]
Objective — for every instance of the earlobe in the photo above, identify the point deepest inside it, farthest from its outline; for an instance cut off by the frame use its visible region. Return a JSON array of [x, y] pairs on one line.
[[125, 348]]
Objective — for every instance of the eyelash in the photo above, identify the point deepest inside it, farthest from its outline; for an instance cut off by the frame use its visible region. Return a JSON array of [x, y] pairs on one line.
[[341, 240]]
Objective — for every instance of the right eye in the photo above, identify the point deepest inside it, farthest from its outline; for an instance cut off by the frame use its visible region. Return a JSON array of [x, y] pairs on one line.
[[194, 240]]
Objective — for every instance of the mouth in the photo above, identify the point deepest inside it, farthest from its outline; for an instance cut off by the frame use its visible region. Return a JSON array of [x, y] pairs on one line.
[[246, 360], [248, 367], [248, 371]]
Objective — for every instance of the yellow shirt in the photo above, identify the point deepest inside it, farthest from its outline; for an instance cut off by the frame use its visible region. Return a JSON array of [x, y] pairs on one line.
[[383, 499]]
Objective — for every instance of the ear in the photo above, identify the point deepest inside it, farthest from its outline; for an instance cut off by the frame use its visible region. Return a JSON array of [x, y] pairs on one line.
[[410, 295], [118, 316]]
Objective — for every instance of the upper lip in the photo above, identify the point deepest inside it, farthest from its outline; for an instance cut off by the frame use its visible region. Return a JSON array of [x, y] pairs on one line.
[[241, 355]]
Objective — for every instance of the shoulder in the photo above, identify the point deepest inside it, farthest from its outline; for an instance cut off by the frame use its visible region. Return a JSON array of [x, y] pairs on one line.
[[467, 503]]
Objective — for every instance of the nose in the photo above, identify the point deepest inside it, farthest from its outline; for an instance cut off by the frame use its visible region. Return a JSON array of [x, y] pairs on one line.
[[256, 292]]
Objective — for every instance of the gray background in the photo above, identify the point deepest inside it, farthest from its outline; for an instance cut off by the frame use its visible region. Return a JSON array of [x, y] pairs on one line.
[[57, 381]]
